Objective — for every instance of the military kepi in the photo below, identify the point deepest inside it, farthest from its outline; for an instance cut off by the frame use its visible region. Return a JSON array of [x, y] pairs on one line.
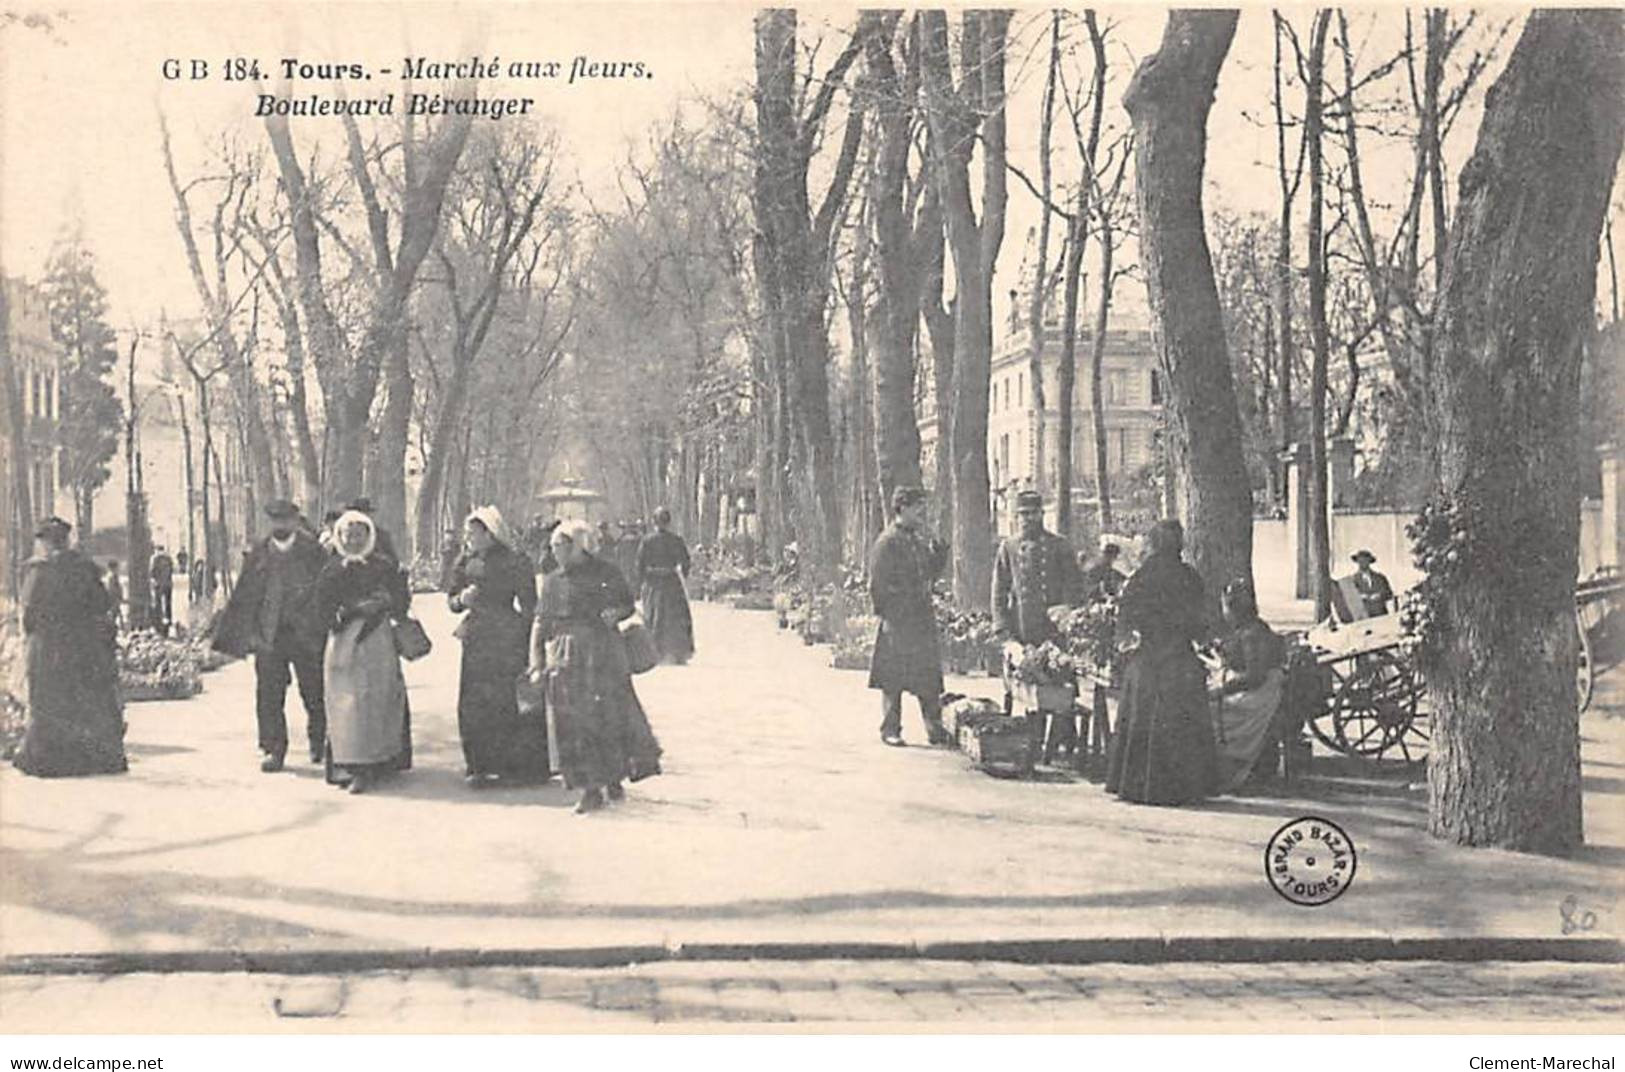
[[1029, 500]]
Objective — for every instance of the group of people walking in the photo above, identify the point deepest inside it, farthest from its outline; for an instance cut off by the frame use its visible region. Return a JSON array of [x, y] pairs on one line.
[[330, 611], [1180, 735]]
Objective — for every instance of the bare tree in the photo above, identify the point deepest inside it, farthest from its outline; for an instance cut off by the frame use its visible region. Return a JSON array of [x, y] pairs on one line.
[[350, 376], [488, 244], [792, 257], [961, 115], [900, 243], [1168, 101], [215, 292]]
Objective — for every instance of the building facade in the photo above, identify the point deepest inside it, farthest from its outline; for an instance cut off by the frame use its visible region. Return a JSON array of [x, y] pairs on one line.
[[35, 363], [1132, 390]]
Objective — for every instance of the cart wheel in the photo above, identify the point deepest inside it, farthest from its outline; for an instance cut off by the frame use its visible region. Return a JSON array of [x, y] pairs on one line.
[[1375, 708], [1585, 673]]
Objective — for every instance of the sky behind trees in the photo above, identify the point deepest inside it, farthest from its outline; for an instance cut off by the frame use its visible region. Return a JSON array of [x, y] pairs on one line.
[[79, 106]]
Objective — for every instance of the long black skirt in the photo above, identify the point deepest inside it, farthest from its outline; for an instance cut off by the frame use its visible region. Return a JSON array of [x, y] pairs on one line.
[[75, 720], [1163, 751], [665, 609], [497, 738]]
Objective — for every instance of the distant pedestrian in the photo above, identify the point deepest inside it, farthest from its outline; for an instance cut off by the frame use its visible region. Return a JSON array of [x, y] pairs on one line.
[[603, 733], [905, 560], [163, 590], [1365, 593], [358, 594], [494, 583], [75, 722], [1102, 579], [451, 547], [115, 592], [272, 615], [1163, 751], [662, 564]]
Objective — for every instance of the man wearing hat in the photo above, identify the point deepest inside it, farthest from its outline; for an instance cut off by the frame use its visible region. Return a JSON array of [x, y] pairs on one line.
[[1033, 571], [905, 560], [273, 616], [1103, 580], [1366, 593]]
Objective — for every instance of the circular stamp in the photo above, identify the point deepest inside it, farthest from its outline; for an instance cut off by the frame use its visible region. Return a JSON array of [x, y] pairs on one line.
[[1310, 861]]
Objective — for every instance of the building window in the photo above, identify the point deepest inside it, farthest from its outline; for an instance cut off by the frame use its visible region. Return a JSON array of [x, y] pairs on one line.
[[1021, 390], [1118, 388], [1156, 388], [1004, 453]]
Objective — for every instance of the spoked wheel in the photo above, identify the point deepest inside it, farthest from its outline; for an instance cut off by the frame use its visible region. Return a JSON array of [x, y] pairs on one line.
[[1585, 673], [1374, 708]]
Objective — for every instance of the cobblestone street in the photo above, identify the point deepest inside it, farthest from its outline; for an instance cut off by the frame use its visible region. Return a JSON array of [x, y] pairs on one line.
[[827, 992]]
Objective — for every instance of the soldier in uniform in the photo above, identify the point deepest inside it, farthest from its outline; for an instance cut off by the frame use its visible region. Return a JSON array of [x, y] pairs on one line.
[[1033, 571], [905, 560], [273, 615]]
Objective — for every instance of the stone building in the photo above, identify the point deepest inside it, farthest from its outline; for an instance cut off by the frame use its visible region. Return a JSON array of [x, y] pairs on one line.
[[1132, 392]]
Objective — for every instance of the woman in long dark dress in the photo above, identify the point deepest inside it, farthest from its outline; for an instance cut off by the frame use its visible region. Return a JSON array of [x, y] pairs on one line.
[[1163, 750], [359, 592], [495, 583], [603, 734], [75, 721], [663, 564]]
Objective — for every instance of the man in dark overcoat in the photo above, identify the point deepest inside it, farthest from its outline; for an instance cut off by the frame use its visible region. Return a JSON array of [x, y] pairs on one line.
[[1032, 572], [272, 615], [905, 560]]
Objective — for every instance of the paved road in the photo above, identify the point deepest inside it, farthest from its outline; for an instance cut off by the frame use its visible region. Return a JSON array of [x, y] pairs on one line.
[[780, 818], [1401, 995]]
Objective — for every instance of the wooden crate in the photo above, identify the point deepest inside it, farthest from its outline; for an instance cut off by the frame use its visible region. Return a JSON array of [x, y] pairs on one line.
[[1001, 746]]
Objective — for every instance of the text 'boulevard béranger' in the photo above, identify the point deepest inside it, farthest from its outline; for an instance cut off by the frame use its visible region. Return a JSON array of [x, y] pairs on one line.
[[419, 68]]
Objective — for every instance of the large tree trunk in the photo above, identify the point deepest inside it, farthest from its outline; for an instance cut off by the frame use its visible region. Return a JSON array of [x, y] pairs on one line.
[[1097, 374], [1320, 537], [896, 425], [794, 247], [20, 459], [1516, 305], [1168, 101], [441, 443], [386, 480], [1038, 300], [957, 114], [939, 325], [1066, 386]]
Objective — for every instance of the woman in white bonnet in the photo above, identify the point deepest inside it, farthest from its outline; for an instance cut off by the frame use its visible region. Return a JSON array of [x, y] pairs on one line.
[[360, 591]]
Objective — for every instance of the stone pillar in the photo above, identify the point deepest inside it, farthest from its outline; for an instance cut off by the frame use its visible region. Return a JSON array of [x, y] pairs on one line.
[[1613, 483], [1340, 472], [1296, 461]]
